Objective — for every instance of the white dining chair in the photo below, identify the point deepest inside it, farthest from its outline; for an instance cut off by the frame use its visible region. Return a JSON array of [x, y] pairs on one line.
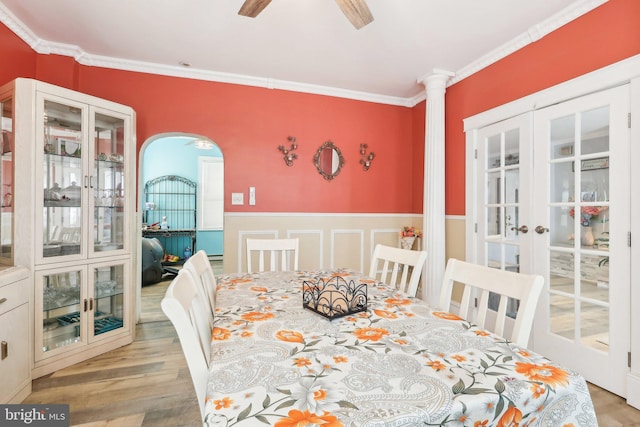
[[526, 288], [185, 308], [200, 267], [282, 249], [409, 263]]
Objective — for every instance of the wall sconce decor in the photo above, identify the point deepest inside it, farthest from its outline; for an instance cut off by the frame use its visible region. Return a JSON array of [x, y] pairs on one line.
[[334, 297], [365, 159], [288, 153]]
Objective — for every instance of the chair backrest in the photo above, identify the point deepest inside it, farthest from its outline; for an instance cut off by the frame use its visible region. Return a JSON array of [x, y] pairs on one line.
[[398, 260], [526, 288], [200, 267], [185, 308], [277, 249]]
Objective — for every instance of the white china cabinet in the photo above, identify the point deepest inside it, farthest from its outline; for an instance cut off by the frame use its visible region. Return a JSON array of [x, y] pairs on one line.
[[74, 219]]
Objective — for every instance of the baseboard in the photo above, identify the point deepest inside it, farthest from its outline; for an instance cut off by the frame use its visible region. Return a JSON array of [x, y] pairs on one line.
[[633, 390]]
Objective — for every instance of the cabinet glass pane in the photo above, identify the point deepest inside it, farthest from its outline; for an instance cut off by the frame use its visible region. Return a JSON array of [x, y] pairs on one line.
[[62, 167], [6, 183], [61, 309], [109, 298], [109, 183]]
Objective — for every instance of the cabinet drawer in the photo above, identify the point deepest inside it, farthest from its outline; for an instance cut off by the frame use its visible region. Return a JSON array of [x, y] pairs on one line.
[[14, 369], [12, 295]]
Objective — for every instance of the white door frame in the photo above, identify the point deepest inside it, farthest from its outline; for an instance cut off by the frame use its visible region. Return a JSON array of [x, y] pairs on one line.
[[616, 74]]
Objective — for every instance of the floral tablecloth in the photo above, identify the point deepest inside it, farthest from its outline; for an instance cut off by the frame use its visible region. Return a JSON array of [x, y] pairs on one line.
[[400, 363]]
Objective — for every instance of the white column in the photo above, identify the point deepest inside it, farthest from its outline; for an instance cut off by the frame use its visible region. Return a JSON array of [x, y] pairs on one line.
[[434, 188]]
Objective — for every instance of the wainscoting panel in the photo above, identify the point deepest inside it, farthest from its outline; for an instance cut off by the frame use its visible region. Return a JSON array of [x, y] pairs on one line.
[[346, 249], [311, 247], [326, 240]]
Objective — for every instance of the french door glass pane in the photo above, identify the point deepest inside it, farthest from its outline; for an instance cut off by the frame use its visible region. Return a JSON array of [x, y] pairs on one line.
[[562, 137], [594, 127], [562, 311], [494, 152], [594, 325]]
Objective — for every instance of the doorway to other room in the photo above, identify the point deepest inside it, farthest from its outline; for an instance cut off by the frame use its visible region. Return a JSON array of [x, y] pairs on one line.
[[181, 209]]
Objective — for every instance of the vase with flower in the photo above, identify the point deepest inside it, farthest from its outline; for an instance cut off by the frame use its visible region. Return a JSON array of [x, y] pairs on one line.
[[408, 236], [586, 231]]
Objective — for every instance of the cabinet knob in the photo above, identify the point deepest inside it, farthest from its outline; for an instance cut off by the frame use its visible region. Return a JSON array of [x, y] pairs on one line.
[[4, 350]]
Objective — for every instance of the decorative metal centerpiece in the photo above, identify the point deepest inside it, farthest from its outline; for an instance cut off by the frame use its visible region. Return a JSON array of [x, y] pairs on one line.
[[334, 297]]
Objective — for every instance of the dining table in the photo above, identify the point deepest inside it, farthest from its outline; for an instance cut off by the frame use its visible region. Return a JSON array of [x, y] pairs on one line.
[[398, 362]]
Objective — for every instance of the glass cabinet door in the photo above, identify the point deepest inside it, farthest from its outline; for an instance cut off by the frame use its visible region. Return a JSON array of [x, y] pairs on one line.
[[63, 178], [62, 310], [6, 183], [108, 183], [108, 302]]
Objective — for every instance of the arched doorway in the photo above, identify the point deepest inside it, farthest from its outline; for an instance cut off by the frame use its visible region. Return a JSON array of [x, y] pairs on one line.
[[188, 158]]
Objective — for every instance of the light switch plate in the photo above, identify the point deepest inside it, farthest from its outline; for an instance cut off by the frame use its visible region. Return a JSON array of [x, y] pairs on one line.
[[252, 196], [237, 198]]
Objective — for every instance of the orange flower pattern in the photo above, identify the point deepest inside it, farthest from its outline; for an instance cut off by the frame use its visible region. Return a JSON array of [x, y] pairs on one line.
[[545, 373], [256, 316], [220, 334], [372, 334], [290, 336], [497, 384], [511, 418], [298, 418], [445, 316]]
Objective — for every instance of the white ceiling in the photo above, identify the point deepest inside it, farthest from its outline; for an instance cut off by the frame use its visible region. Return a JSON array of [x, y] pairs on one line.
[[305, 45]]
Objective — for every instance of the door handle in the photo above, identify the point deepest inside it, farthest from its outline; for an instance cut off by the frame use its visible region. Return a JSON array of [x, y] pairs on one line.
[[523, 229], [540, 229]]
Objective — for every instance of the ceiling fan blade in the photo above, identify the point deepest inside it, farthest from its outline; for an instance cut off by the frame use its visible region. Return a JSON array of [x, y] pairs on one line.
[[356, 11], [252, 8]]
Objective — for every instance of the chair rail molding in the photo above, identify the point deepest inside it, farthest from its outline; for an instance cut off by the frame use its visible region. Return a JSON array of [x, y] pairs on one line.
[[434, 188]]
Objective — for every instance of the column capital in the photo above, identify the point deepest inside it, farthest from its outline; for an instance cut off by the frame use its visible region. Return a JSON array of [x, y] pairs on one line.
[[436, 81]]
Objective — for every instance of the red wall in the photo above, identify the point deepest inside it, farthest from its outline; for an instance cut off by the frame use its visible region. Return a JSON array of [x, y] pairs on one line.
[[605, 35], [249, 124]]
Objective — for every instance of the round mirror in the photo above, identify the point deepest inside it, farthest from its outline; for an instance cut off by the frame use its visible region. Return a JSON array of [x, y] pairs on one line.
[[328, 160]]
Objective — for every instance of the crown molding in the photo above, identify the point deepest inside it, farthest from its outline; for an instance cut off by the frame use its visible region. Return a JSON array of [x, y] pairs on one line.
[[532, 35], [535, 33]]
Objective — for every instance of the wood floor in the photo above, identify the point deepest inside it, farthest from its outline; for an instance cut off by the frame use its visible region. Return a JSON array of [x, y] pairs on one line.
[[147, 383]]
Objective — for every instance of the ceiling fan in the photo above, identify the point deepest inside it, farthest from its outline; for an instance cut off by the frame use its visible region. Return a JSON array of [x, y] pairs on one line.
[[356, 11]]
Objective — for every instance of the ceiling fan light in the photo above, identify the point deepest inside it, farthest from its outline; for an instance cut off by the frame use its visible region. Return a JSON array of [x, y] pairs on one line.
[[203, 144]]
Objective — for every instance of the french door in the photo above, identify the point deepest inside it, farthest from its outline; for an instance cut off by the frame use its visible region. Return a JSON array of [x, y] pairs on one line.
[[552, 198], [582, 194], [504, 174]]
